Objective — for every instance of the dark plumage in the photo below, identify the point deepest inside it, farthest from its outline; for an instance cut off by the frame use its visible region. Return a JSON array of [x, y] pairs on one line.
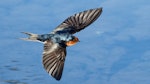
[[56, 42]]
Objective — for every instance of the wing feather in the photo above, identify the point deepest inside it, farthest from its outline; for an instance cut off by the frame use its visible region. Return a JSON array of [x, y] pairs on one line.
[[79, 21], [54, 58]]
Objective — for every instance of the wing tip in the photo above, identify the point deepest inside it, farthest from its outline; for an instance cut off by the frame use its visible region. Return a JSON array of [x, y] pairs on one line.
[[57, 78], [100, 9]]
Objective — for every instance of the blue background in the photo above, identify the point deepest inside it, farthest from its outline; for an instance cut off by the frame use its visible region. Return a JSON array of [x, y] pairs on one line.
[[115, 49]]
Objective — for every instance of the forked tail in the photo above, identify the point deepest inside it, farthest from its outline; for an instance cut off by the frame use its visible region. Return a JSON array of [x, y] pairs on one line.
[[32, 37]]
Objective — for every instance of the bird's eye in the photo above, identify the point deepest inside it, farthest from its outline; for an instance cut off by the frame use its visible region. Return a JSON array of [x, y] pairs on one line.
[[72, 38]]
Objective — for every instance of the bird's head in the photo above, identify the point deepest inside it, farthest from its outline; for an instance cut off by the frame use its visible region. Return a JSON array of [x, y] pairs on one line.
[[73, 41]]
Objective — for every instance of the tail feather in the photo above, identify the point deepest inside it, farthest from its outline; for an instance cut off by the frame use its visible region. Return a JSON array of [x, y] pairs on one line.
[[32, 37]]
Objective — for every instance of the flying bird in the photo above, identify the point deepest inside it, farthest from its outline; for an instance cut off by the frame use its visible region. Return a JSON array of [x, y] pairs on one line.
[[55, 43]]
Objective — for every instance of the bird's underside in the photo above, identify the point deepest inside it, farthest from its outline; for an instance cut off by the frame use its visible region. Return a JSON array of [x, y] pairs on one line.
[[54, 53]]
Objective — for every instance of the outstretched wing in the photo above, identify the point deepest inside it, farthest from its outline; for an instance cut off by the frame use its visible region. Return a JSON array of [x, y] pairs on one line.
[[79, 21], [53, 59]]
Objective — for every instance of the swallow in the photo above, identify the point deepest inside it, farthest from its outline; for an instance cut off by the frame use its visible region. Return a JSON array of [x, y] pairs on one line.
[[56, 42]]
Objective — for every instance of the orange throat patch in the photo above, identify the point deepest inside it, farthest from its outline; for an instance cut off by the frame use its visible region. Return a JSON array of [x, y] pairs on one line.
[[72, 42]]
